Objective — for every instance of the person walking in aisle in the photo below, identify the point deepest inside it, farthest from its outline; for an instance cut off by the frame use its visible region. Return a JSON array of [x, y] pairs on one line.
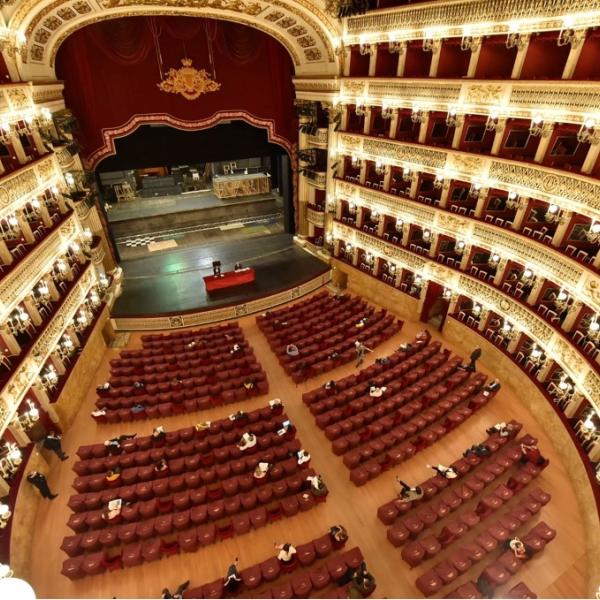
[[52, 442], [39, 481]]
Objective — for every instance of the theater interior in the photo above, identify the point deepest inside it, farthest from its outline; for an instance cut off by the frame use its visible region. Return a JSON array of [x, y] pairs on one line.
[[299, 299]]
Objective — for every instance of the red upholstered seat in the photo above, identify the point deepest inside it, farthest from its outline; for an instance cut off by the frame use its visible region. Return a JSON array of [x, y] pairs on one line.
[[301, 584], [429, 583], [306, 553], [460, 561], [521, 591], [319, 578], [251, 576], [467, 590], [213, 589], [413, 553], [495, 575], [446, 571], [72, 568], [510, 562], [398, 534]]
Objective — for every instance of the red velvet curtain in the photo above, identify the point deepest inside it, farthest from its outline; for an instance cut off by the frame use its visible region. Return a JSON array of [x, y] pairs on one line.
[[111, 72]]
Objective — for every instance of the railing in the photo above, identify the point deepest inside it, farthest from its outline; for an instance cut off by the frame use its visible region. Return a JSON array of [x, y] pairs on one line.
[[320, 138], [316, 217], [316, 178]]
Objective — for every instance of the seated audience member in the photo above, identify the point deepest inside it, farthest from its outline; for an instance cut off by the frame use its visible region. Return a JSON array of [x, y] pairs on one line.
[[114, 444], [363, 582], [275, 404], [98, 413], [406, 347], [161, 466], [113, 475], [317, 485], [248, 441], [492, 386], [139, 385], [303, 457], [286, 429], [158, 434], [480, 450], [286, 553], [232, 577], [138, 408], [103, 389], [502, 429], [279, 325], [261, 470], [447, 472], [531, 453], [177, 381], [39, 481], [194, 343], [236, 349], [338, 535], [360, 324], [249, 383], [384, 360], [422, 338], [518, 548], [376, 392], [408, 493], [238, 266], [330, 385], [178, 592], [238, 416], [333, 356], [292, 350], [202, 426], [112, 511]]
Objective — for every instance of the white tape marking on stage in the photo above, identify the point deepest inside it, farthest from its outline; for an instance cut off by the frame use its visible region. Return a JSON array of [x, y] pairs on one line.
[[155, 246], [231, 226]]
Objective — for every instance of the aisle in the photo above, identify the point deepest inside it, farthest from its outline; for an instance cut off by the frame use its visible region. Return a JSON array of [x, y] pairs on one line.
[[559, 571]]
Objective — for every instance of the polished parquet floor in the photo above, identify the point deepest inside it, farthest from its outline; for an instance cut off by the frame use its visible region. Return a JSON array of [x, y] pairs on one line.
[[559, 572]]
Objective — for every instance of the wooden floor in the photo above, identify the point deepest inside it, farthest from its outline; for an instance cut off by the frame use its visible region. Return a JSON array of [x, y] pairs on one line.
[[559, 572]]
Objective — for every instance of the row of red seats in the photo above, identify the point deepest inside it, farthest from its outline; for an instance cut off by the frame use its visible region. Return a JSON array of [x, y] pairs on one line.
[[397, 401], [190, 540], [447, 571], [160, 515], [411, 525], [219, 448], [321, 324], [396, 378], [186, 335], [218, 360], [299, 310], [202, 374], [415, 552], [301, 584], [186, 434], [160, 362], [394, 447], [348, 383], [390, 511]]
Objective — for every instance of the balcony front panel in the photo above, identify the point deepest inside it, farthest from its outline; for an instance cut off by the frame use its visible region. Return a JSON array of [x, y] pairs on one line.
[[24, 377], [49, 94], [315, 217], [29, 181], [525, 320], [578, 193], [39, 261], [485, 17]]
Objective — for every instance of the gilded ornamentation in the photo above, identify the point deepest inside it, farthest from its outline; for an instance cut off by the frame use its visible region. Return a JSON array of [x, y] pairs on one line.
[[297, 30], [52, 23], [82, 7], [451, 223], [312, 54], [287, 22], [66, 14], [484, 93], [306, 41], [463, 163], [191, 83], [274, 16]]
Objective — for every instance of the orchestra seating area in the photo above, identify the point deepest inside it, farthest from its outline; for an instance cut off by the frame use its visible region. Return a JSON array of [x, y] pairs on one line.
[[319, 565], [324, 328], [181, 373], [426, 397], [207, 493]]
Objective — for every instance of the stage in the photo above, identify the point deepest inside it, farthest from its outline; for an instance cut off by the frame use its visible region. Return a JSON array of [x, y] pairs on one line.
[[170, 282]]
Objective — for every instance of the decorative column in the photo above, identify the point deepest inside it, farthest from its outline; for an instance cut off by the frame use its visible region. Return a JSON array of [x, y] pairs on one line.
[[574, 54], [500, 270], [405, 234], [347, 50], [422, 296], [363, 171], [15, 142], [414, 184], [542, 374], [591, 157], [534, 295], [522, 47], [344, 123], [355, 256], [423, 128], [572, 314], [367, 123], [24, 226], [545, 138], [444, 195], [376, 266], [483, 317], [387, 178], [5, 255], [9, 339], [32, 310], [520, 214], [19, 433], [498, 137], [574, 405], [42, 397], [435, 58], [483, 192], [433, 239], [393, 124], [514, 343], [401, 60], [373, 60], [563, 226], [464, 259], [458, 131], [475, 52]]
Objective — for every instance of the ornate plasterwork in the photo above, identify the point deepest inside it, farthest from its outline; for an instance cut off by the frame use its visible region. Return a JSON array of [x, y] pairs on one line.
[[299, 26], [484, 17], [315, 217], [578, 193], [545, 261], [24, 377], [524, 319]]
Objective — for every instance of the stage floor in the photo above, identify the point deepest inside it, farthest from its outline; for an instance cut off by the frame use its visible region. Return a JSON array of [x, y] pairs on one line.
[[142, 208], [171, 282]]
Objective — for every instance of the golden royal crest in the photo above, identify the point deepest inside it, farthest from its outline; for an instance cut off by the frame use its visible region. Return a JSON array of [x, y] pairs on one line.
[[188, 81]]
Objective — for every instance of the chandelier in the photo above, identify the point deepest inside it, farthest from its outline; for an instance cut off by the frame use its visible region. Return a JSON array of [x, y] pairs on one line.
[[513, 201], [452, 118], [379, 167], [386, 111], [407, 174], [553, 214], [593, 233], [536, 127], [492, 121], [587, 132], [417, 116], [360, 108], [494, 259], [394, 46]]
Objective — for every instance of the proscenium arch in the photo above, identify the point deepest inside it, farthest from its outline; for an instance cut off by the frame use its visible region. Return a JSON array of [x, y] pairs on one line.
[[306, 33]]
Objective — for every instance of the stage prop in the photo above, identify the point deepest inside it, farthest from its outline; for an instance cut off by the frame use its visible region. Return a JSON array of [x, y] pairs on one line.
[[233, 186], [229, 279]]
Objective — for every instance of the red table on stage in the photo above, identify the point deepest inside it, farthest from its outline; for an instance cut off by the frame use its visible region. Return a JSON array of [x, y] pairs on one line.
[[229, 279]]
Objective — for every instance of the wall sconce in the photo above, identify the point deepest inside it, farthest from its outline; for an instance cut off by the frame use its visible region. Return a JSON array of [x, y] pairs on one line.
[[438, 182], [426, 235], [587, 132], [416, 285], [417, 116], [386, 111], [399, 225], [5, 571], [5, 514], [507, 331], [360, 107], [375, 216], [394, 46], [365, 47], [94, 299], [460, 247], [513, 201], [468, 42], [562, 300], [536, 127], [13, 223], [536, 356], [69, 179], [594, 330], [329, 238], [49, 378], [43, 290], [447, 294], [564, 390], [11, 461], [429, 43], [352, 208], [407, 174], [452, 118], [379, 167], [354, 161], [492, 121], [66, 343], [5, 133], [494, 259], [392, 269], [102, 281], [81, 320], [29, 418], [476, 310], [475, 190], [593, 233], [553, 214], [527, 274]]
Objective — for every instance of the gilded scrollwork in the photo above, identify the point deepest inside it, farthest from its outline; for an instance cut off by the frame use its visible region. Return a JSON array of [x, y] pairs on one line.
[[483, 93]]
